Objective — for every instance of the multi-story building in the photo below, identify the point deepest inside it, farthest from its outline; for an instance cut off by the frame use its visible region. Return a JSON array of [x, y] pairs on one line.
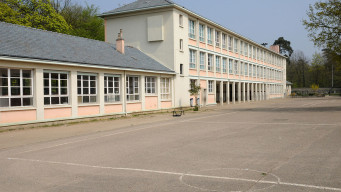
[[228, 66]]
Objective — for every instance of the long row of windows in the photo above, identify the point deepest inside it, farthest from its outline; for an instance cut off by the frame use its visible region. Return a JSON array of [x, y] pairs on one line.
[[233, 44], [233, 66], [16, 87]]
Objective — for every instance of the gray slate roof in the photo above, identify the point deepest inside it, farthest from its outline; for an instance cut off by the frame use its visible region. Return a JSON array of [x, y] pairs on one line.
[[140, 4], [25, 42]]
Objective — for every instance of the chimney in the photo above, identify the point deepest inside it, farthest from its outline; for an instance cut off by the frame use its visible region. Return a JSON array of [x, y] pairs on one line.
[[275, 48], [120, 42]]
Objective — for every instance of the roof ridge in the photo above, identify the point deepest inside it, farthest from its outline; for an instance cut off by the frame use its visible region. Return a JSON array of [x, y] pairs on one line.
[[53, 32]]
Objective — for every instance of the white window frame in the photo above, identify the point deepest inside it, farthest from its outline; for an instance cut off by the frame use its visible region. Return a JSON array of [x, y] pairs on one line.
[[230, 43], [181, 20], [191, 29], [150, 85], [133, 92], [210, 86], [217, 64], [112, 93], [201, 33], [224, 40], [9, 97], [209, 35], [165, 89], [210, 62], [49, 88], [236, 70], [217, 38], [246, 70], [241, 50], [235, 45], [202, 61], [231, 66], [192, 59], [80, 88], [224, 65]]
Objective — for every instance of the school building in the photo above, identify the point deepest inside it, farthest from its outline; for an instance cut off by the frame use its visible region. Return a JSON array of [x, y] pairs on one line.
[[154, 51]]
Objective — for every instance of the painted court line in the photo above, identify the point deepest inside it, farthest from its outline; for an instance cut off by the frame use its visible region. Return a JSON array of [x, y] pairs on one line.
[[178, 174], [253, 123], [119, 133]]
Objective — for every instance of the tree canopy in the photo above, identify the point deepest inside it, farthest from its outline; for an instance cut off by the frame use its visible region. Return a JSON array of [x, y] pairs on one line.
[[324, 24], [284, 46], [33, 13]]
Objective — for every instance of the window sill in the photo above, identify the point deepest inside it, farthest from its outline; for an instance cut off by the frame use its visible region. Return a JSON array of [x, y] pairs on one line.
[[166, 100], [17, 108], [114, 103], [57, 106], [181, 51], [133, 102], [191, 38], [151, 95], [88, 104]]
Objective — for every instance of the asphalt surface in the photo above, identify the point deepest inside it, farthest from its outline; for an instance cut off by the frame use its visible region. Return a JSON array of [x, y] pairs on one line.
[[277, 145]]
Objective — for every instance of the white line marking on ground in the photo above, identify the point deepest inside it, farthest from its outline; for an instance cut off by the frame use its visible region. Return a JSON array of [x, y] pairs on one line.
[[178, 174], [254, 123], [118, 133]]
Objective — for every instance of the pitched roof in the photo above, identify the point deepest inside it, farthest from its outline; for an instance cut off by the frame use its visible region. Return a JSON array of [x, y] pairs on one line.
[[140, 4], [25, 42]]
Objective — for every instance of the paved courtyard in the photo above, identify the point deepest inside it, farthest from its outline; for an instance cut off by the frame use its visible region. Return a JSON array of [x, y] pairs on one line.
[[277, 145]]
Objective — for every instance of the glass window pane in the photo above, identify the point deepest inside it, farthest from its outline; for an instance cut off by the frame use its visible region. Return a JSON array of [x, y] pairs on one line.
[[46, 75], [3, 91], [111, 90], [64, 100], [3, 81], [15, 102], [15, 82], [3, 72], [92, 77], [85, 77], [86, 99], [27, 91], [46, 83], [117, 98], [15, 91], [54, 91], [15, 72], [79, 91], [111, 83], [63, 91], [79, 77], [63, 76], [27, 101], [85, 83], [63, 83], [93, 91], [93, 99], [46, 100], [79, 83], [85, 90], [54, 83], [26, 73], [55, 100], [93, 83], [4, 102], [46, 91], [26, 82]]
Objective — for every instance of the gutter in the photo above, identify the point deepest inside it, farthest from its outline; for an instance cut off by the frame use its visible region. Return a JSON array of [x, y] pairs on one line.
[[28, 60]]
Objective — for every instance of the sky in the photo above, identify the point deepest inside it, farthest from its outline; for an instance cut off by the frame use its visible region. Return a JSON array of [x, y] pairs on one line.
[[262, 21]]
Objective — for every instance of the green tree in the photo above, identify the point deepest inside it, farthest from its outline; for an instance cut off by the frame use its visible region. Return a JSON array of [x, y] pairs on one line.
[[33, 13], [317, 70], [84, 20], [284, 46], [298, 70], [194, 91], [324, 24]]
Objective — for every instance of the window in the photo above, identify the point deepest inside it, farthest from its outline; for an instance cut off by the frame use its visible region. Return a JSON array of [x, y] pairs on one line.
[[230, 43], [209, 35], [16, 87], [250, 70], [236, 67], [224, 41], [202, 61], [253, 52], [224, 65], [192, 59], [210, 62], [210, 86], [56, 88], [181, 21], [181, 45], [231, 66], [254, 70], [246, 51], [246, 69], [217, 63], [241, 68], [133, 89], [150, 85], [217, 38], [192, 29], [236, 45], [258, 54], [250, 50], [241, 51], [165, 88], [202, 32], [181, 69], [258, 71], [87, 88], [112, 88]]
